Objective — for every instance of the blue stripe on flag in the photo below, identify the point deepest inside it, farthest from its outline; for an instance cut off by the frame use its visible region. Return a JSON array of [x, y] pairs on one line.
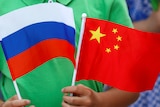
[[35, 33]]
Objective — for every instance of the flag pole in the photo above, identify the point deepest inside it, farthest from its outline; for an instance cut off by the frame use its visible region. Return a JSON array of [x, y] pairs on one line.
[[17, 89], [84, 15], [50, 1]]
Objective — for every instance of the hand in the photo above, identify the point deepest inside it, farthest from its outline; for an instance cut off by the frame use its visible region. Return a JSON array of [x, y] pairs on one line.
[[82, 97], [14, 102]]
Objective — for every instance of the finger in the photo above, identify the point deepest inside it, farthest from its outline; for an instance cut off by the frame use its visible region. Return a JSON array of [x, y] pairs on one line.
[[73, 100], [15, 97], [16, 103], [64, 104], [79, 90]]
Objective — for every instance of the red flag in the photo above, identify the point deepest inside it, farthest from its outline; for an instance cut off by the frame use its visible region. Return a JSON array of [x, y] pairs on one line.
[[119, 56]]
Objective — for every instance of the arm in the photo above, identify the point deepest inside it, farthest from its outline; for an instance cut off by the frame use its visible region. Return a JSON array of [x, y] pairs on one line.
[[1, 103], [14, 102], [86, 97], [151, 24]]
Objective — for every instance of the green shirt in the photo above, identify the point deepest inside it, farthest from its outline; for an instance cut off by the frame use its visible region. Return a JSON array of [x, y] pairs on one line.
[[43, 85], [155, 4]]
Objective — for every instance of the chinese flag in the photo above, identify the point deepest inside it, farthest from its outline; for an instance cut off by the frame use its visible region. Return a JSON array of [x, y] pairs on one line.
[[119, 56]]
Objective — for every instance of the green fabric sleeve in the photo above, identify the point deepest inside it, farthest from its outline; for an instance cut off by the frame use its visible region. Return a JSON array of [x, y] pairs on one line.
[[155, 4]]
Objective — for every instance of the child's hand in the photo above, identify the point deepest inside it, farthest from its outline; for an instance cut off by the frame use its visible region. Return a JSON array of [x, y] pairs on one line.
[[14, 102], [82, 97]]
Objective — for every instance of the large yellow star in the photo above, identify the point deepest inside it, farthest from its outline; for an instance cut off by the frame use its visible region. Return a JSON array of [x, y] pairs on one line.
[[97, 34]]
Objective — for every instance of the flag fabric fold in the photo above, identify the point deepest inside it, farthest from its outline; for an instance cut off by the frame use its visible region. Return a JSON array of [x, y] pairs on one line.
[[119, 56], [35, 34]]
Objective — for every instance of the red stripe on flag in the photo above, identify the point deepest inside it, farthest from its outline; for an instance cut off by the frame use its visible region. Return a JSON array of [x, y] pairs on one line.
[[39, 54]]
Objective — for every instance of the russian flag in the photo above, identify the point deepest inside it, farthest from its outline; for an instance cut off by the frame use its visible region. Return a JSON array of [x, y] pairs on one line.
[[32, 35]]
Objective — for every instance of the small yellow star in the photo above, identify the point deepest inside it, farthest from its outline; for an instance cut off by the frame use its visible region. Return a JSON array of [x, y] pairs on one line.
[[108, 50], [116, 47], [114, 30], [97, 34], [119, 38]]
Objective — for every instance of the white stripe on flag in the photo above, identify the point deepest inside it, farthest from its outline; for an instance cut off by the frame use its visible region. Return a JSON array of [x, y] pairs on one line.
[[16, 20]]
